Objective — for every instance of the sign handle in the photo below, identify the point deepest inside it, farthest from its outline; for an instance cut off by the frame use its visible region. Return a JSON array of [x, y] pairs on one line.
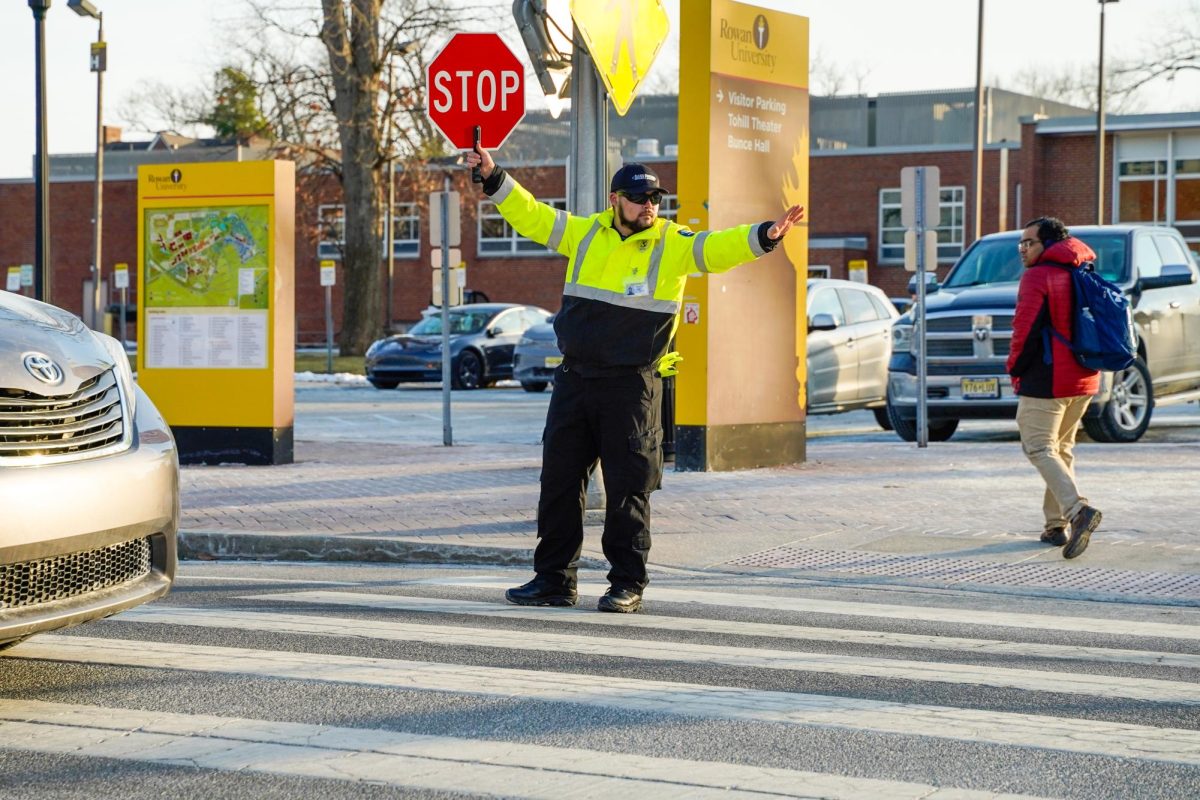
[[476, 172]]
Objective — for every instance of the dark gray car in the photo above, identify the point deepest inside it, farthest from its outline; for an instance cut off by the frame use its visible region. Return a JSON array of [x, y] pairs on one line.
[[537, 357], [483, 338]]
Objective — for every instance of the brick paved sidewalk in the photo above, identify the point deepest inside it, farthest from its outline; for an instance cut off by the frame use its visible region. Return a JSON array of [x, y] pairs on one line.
[[977, 501]]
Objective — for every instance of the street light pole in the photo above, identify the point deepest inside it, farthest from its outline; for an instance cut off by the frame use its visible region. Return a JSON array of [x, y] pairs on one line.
[[84, 8], [391, 202], [1100, 123], [41, 163], [977, 212]]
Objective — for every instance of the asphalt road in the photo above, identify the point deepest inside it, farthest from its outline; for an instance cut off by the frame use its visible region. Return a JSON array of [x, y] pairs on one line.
[[317, 681]]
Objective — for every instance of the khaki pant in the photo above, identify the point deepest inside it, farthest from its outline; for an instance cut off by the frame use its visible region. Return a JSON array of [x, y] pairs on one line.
[[1048, 426]]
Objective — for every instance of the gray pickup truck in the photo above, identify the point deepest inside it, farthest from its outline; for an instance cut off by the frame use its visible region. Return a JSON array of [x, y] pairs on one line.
[[969, 330]]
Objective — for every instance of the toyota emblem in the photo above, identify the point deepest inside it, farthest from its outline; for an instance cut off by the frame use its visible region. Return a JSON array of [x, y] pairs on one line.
[[43, 368]]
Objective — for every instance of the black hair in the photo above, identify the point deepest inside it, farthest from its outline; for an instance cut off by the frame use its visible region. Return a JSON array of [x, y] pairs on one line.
[[1049, 230]]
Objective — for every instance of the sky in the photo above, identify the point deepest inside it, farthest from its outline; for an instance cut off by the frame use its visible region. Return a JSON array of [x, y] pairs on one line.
[[896, 46]]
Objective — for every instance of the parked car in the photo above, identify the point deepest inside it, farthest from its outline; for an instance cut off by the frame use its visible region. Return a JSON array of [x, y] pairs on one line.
[[537, 357], [849, 345], [969, 330], [89, 476], [483, 337]]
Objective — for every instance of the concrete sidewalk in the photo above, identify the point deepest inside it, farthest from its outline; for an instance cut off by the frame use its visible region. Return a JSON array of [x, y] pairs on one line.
[[957, 514]]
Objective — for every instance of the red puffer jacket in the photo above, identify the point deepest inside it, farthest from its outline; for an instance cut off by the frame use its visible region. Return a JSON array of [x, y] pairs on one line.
[[1046, 297]]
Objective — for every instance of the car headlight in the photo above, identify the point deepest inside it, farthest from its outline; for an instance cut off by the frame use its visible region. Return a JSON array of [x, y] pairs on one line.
[[525, 340], [902, 338], [121, 365]]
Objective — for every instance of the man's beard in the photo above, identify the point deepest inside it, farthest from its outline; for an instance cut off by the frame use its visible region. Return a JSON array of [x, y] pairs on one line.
[[636, 225]]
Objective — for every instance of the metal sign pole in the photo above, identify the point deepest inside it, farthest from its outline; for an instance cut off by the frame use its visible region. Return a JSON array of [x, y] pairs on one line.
[[447, 430], [124, 302], [329, 329], [922, 372]]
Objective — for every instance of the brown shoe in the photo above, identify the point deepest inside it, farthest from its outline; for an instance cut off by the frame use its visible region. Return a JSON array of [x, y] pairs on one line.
[[1055, 536], [1082, 525]]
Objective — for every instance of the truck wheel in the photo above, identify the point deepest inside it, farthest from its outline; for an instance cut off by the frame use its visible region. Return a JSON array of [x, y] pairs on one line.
[[1126, 415], [881, 417], [906, 429], [939, 430], [534, 386]]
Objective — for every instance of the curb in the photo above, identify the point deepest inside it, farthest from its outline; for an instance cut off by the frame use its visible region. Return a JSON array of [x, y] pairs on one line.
[[255, 546]]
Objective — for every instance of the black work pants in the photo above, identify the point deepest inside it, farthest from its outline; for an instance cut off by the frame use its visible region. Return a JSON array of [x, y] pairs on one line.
[[618, 420]]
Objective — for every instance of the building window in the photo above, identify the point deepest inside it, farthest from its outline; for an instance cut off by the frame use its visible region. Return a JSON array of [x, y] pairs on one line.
[[818, 271], [331, 224], [1142, 191], [669, 207], [406, 231], [1187, 190], [497, 237], [950, 228]]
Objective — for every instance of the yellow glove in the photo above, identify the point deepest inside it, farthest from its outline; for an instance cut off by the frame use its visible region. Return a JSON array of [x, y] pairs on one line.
[[668, 365]]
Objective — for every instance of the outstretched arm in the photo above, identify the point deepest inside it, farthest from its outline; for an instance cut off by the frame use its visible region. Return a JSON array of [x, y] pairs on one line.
[[792, 216]]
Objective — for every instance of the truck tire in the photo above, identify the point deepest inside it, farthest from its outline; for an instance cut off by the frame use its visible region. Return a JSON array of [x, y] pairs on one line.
[[882, 417], [939, 430], [1126, 415]]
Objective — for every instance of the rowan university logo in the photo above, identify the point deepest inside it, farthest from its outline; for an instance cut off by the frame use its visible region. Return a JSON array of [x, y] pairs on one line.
[[176, 176], [762, 31]]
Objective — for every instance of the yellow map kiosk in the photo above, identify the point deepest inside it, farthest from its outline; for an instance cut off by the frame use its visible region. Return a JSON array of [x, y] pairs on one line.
[[216, 297]]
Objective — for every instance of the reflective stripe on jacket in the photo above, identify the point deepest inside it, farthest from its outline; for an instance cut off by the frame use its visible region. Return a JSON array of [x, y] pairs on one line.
[[621, 298]]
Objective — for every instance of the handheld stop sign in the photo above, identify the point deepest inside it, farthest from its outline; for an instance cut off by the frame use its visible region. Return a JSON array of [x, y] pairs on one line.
[[476, 91]]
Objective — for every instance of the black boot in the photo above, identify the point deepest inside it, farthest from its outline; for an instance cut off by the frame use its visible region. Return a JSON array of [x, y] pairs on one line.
[[621, 601], [542, 592]]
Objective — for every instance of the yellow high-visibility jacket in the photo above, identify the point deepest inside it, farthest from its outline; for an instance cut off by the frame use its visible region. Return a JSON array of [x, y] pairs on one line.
[[622, 297]]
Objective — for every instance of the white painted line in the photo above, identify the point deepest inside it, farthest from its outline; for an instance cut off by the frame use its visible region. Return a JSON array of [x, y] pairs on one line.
[[1081, 683], [414, 761], [577, 616], [946, 615], [187, 576], [1086, 736]]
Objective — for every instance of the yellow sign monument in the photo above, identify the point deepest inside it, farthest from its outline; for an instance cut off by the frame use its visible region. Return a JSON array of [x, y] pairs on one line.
[[216, 306], [743, 148], [623, 37]]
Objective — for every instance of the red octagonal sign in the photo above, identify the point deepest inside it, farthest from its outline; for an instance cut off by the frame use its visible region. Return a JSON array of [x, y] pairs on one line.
[[476, 80]]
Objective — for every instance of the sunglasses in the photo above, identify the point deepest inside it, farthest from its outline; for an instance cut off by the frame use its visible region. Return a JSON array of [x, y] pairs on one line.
[[640, 199], [1025, 244]]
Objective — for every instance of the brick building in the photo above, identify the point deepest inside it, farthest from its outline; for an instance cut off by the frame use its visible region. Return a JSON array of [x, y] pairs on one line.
[[1033, 165]]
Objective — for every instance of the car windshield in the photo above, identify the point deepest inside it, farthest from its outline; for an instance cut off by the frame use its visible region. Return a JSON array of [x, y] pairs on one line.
[[997, 261], [460, 322]]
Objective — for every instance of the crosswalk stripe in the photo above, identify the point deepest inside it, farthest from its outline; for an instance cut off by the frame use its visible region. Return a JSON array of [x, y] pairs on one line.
[[945, 615], [1096, 737], [415, 761], [1083, 683], [650, 621]]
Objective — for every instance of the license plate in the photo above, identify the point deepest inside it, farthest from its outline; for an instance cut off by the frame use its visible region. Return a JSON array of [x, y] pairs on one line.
[[980, 388], [553, 361]]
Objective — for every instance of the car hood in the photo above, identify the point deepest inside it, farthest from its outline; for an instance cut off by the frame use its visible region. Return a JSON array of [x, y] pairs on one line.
[[999, 297], [405, 341], [27, 326]]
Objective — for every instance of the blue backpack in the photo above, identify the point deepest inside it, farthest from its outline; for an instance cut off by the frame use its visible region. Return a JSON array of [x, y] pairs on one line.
[[1101, 323]]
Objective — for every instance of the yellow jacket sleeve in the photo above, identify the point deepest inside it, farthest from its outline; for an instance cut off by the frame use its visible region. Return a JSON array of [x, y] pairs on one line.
[[534, 220], [721, 251]]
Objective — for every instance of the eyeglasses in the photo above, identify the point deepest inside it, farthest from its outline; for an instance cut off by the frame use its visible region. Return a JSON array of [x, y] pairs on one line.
[[640, 199], [1025, 244]]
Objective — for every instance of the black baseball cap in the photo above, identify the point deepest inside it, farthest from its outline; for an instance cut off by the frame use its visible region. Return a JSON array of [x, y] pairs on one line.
[[636, 179]]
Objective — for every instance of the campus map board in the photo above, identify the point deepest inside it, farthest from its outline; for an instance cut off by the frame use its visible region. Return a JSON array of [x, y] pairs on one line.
[[207, 284], [216, 306]]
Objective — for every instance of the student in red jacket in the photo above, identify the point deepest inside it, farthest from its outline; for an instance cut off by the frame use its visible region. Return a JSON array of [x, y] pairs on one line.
[[1053, 388]]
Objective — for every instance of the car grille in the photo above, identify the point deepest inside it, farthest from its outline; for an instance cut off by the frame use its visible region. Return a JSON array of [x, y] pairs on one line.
[[952, 337], [33, 425], [44, 580]]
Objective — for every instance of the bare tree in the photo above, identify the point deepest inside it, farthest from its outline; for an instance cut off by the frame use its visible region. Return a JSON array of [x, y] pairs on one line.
[[830, 78], [1175, 50], [1075, 85]]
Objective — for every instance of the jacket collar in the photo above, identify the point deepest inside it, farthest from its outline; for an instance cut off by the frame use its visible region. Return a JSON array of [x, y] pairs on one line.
[[655, 231]]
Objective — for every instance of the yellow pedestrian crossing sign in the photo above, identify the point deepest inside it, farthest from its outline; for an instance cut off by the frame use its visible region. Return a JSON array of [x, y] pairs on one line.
[[623, 37]]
